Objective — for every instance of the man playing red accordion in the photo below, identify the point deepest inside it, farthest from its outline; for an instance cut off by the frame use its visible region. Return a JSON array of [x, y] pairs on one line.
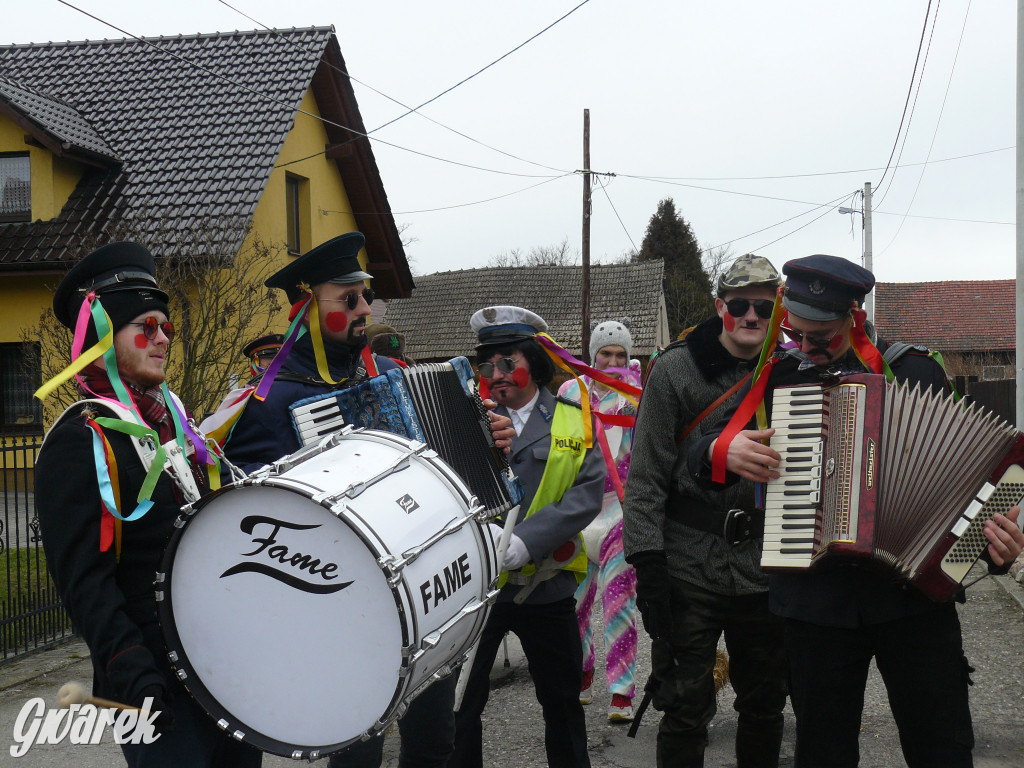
[[838, 618]]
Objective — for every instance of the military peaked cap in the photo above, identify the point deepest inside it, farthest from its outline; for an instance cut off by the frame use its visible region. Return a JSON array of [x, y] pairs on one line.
[[336, 261]]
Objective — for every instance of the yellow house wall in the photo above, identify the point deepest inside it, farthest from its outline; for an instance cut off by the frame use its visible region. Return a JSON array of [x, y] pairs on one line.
[[53, 178], [326, 192]]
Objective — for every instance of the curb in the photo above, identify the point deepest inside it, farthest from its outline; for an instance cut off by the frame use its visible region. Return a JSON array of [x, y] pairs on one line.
[[1012, 588], [47, 661]]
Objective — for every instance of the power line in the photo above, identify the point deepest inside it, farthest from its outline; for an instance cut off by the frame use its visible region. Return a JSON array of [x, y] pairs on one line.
[[913, 109], [793, 232], [935, 133], [604, 188], [451, 207], [910, 89], [821, 173], [714, 189], [396, 101], [298, 110], [831, 204]]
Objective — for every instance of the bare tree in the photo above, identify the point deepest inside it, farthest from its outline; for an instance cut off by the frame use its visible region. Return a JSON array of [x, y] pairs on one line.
[[715, 261], [218, 302], [558, 255]]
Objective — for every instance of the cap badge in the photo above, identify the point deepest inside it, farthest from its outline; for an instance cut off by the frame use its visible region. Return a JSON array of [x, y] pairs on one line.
[[490, 314], [816, 288]]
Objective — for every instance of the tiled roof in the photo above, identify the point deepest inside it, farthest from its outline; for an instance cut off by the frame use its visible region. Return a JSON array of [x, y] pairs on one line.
[[199, 122], [55, 119], [435, 320], [962, 315]]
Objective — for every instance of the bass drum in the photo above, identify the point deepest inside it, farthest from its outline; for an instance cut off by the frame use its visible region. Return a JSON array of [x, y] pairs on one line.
[[305, 606]]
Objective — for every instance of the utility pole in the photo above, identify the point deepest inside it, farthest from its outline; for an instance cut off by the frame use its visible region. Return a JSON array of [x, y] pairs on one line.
[[869, 302], [865, 213], [1019, 348], [585, 330]]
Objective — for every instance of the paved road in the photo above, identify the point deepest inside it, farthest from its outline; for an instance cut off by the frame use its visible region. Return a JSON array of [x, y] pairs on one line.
[[993, 621]]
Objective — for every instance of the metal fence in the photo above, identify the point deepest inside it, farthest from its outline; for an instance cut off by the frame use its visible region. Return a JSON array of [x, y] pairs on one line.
[[31, 615]]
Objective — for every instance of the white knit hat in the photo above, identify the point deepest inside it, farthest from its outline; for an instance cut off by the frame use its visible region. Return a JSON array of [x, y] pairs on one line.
[[611, 333]]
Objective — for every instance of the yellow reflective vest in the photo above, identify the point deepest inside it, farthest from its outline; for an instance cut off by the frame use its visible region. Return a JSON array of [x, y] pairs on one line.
[[563, 465]]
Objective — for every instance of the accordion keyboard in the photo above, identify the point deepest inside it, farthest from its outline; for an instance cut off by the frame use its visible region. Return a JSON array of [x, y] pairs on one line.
[[791, 501]]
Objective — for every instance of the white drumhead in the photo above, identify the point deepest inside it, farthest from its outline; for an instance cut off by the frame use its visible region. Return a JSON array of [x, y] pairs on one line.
[[285, 617]]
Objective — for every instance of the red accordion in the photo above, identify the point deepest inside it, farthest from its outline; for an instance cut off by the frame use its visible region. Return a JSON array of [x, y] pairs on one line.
[[902, 476]]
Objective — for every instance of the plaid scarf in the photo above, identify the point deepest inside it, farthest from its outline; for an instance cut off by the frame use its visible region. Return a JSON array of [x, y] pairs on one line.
[[150, 401]]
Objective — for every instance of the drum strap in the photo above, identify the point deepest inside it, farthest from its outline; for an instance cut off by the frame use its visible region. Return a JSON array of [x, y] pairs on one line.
[[175, 464]]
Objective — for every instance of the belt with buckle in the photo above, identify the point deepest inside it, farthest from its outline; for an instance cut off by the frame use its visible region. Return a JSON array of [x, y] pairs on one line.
[[733, 525]]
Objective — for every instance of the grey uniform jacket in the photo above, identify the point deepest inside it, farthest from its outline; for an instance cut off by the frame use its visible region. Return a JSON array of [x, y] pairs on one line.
[[551, 526]]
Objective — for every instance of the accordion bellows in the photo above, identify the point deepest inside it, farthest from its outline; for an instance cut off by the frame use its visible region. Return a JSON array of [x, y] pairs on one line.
[[903, 476], [434, 403]]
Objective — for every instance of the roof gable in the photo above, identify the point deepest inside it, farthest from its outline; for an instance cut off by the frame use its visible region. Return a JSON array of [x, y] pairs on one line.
[[55, 124], [961, 315], [199, 122], [435, 320]]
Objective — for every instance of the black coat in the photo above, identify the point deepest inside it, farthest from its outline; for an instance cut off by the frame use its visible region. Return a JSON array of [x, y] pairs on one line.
[[111, 602], [265, 431], [845, 593]]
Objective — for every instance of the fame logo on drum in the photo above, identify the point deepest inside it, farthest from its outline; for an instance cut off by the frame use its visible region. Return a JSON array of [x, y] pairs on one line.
[[407, 503], [445, 583], [271, 548]]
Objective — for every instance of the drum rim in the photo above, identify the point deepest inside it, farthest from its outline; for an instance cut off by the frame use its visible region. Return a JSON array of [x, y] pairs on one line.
[[193, 683]]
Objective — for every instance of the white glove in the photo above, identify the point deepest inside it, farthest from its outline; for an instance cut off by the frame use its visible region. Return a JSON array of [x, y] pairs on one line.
[[517, 554], [495, 532]]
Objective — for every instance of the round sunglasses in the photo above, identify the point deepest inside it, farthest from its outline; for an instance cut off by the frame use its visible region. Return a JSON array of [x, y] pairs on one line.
[[151, 325], [504, 364], [352, 299], [739, 307]]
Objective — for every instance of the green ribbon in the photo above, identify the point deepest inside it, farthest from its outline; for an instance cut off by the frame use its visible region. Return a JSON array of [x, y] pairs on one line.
[[140, 431]]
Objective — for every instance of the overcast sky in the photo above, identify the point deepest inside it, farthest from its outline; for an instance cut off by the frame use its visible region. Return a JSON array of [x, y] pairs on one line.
[[754, 117]]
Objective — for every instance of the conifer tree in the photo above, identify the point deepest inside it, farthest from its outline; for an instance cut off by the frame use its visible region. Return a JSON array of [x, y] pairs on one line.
[[688, 295]]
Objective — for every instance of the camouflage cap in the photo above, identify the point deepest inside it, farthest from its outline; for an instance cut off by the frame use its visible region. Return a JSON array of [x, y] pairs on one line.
[[747, 271]]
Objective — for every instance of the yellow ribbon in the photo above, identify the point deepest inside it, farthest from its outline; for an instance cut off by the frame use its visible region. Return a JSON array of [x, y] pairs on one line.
[[91, 354], [318, 342]]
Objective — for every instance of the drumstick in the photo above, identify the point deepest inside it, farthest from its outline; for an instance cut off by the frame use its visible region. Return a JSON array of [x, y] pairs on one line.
[[75, 693], [467, 667]]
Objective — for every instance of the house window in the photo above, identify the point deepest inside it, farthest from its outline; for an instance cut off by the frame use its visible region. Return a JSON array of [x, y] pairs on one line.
[[296, 211], [20, 377], [15, 187]]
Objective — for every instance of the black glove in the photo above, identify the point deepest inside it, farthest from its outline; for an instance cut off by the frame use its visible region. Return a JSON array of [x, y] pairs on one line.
[[161, 703], [653, 593]]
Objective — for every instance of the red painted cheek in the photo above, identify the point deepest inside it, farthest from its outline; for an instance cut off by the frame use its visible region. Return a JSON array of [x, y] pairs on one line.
[[336, 321], [520, 377], [728, 322], [836, 343], [485, 389], [141, 342]]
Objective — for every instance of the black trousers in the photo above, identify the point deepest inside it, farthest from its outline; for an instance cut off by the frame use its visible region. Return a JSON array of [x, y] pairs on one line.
[[757, 672], [550, 638], [427, 731], [922, 663], [194, 741]]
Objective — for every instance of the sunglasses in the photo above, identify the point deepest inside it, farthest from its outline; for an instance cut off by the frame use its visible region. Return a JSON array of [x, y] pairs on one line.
[[739, 307], [352, 300], [504, 364], [151, 325], [816, 342]]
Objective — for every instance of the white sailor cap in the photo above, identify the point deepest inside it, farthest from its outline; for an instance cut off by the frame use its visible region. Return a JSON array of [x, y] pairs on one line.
[[505, 324]]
